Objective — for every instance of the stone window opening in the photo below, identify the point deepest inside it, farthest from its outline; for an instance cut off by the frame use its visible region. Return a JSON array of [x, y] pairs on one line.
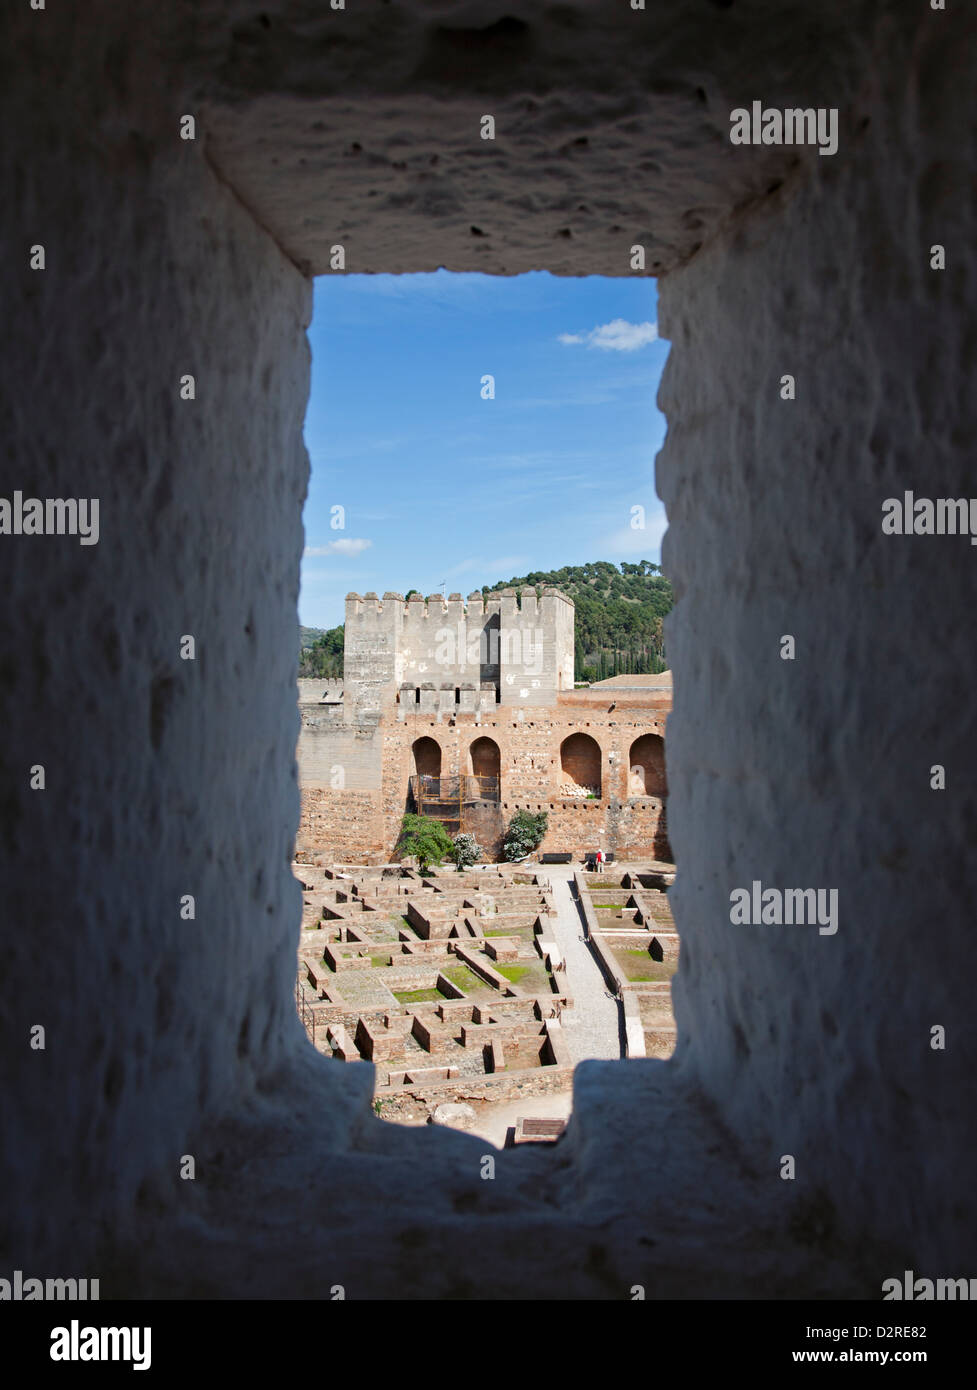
[[762, 1057]]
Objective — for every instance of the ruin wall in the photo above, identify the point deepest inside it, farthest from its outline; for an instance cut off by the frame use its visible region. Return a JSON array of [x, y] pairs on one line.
[[338, 766]]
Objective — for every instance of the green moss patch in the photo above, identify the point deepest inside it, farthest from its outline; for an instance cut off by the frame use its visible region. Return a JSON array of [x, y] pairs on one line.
[[463, 977], [639, 967]]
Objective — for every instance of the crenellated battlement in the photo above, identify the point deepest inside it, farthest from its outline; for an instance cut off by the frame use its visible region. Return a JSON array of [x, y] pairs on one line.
[[436, 607], [520, 649]]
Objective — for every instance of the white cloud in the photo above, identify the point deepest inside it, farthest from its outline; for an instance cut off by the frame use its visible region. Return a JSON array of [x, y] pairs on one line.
[[617, 336], [343, 547]]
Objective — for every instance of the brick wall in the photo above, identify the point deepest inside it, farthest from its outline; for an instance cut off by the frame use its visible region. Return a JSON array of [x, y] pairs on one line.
[[346, 824], [529, 742]]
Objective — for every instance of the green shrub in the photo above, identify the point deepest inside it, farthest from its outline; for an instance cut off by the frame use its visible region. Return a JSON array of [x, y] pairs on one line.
[[525, 834], [425, 839]]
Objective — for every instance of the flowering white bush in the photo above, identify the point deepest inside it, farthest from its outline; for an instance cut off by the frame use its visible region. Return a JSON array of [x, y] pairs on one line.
[[467, 851]]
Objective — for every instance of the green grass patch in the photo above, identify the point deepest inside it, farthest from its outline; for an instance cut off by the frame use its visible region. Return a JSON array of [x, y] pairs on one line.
[[463, 977], [639, 967], [513, 973], [534, 978], [418, 996], [381, 962]]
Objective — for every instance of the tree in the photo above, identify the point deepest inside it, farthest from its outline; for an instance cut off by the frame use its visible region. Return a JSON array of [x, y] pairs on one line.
[[466, 850], [425, 839], [325, 656], [525, 834]]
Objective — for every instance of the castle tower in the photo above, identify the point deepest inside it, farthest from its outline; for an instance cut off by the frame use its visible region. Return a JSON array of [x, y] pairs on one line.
[[443, 654]]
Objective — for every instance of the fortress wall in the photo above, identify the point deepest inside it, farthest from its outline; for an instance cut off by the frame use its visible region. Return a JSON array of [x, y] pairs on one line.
[[447, 644], [537, 648], [564, 655], [597, 699], [338, 756], [371, 664], [435, 643], [346, 826], [529, 743], [314, 689]]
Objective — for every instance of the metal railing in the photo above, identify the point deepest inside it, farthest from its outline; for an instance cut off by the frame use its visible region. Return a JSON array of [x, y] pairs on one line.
[[454, 791], [305, 1013]]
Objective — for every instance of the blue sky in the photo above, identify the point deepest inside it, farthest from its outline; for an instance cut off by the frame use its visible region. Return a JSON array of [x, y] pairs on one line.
[[437, 484]]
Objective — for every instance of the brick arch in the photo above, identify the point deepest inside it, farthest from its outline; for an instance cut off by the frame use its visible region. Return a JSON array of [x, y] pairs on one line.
[[425, 757], [484, 758], [580, 762], [646, 766]]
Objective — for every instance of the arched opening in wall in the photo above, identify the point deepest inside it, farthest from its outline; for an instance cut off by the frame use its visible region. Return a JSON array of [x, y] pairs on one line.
[[485, 764], [580, 766], [646, 767], [425, 757]]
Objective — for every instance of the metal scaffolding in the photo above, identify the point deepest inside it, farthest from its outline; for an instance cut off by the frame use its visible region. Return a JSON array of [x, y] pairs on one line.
[[446, 798]]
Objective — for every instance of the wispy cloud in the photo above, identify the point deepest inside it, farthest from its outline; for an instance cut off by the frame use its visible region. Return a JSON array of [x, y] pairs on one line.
[[343, 547], [644, 541], [617, 336]]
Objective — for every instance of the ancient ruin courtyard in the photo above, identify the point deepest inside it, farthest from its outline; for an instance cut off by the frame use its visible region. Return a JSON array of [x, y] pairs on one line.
[[475, 993]]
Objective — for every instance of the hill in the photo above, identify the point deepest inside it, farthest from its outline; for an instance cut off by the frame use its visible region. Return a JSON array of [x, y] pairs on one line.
[[321, 652], [619, 614]]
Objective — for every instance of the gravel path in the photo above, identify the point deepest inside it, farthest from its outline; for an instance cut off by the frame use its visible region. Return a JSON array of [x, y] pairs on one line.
[[592, 1027], [495, 1121]]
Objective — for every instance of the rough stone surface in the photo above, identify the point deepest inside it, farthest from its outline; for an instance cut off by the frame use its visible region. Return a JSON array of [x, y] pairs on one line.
[[167, 1036], [456, 1116], [611, 125], [818, 770], [154, 270]]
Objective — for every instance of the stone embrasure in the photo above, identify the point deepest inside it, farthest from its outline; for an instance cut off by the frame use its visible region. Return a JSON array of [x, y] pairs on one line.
[[168, 1036]]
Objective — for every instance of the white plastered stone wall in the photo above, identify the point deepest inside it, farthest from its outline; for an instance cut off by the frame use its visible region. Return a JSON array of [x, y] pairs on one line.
[[167, 1036]]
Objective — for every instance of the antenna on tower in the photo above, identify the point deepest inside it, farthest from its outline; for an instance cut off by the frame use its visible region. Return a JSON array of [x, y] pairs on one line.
[[444, 583]]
